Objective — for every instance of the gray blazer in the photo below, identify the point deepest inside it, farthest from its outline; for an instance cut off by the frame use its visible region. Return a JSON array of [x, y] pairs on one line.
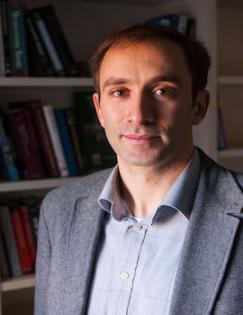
[[209, 279]]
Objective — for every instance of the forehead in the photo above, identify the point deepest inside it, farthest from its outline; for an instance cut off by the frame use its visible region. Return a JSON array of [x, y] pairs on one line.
[[155, 55]]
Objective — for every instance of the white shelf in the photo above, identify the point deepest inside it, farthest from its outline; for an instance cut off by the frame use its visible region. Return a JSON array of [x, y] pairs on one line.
[[230, 80], [23, 185], [230, 153], [21, 282], [45, 82]]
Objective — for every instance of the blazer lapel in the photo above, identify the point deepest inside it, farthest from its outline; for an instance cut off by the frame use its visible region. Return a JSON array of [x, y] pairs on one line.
[[83, 241], [208, 242]]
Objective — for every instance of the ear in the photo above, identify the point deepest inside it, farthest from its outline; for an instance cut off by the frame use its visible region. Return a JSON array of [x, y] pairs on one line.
[[96, 101], [200, 106]]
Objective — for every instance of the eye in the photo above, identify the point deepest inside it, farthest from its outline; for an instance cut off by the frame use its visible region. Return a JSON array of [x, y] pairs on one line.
[[168, 91], [119, 92]]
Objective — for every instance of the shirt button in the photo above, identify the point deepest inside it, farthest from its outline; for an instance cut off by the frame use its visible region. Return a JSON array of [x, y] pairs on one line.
[[124, 275], [137, 227]]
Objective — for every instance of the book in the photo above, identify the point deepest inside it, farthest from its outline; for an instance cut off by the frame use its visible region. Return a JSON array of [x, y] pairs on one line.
[[23, 136], [44, 139], [96, 149], [181, 23], [7, 155], [17, 36], [57, 34], [2, 59], [33, 205], [67, 144], [28, 232], [168, 20], [43, 31], [20, 238], [72, 124], [39, 47], [5, 38], [55, 139], [9, 239], [4, 267]]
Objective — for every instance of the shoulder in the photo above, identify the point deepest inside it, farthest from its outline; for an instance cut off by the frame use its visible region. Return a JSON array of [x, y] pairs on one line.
[[64, 198], [80, 187], [224, 175]]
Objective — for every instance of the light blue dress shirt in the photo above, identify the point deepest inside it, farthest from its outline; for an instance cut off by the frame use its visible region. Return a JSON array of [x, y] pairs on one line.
[[137, 261]]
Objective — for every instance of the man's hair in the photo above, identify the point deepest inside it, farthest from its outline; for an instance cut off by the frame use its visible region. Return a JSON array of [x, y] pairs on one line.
[[197, 57]]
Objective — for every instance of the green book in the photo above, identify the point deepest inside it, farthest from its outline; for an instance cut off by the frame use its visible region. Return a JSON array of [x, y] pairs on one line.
[[96, 150]]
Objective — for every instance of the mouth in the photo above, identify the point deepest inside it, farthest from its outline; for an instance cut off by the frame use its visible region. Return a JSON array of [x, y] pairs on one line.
[[140, 139]]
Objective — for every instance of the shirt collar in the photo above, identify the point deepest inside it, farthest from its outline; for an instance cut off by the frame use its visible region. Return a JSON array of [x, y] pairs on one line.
[[179, 197]]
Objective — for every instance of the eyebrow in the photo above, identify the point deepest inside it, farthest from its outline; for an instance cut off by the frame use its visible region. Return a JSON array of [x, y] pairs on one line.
[[161, 78]]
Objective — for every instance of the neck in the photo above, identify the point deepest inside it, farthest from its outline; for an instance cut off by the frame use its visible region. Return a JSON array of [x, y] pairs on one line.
[[144, 187]]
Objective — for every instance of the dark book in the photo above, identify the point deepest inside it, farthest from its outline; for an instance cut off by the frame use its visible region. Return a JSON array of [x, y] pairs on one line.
[[72, 124], [4, 266], [28, 232], [39, 55], [57, 34], [43, 137], [181, 23], [23, 135], [7, 159], [20, 238], [67, 144], [5, 38], [48, 43], [9, 240], [96, 150], [168, 20], [17, 36], [33, 205]]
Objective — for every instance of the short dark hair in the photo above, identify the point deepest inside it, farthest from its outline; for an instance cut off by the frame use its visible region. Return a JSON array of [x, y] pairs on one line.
[[197, 57]]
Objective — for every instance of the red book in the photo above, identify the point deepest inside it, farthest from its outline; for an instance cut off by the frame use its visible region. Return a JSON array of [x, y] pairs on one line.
[[44, 137], [28, 232], [22, 247], [24, 138]]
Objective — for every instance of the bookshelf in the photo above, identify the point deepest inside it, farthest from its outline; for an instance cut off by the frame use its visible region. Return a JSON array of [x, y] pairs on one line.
[[97, 18]]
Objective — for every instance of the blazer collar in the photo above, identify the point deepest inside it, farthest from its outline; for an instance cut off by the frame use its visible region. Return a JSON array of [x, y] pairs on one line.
[[208, 243]]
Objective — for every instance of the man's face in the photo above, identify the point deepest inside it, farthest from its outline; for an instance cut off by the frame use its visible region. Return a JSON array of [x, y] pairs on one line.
[[145, 103]]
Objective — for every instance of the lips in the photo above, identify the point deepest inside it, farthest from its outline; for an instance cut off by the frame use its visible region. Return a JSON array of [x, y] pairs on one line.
[[140, 139]]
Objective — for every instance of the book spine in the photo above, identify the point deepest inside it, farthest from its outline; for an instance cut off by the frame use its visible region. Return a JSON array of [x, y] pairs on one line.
[[66, 143], [55, 139], [45, 140], [182, 24], [34, 211], [25, 148], [2, 57], [24, 212], [71, 121], [169, 20], [4, 267], [20, 239], [49, 45], [8, 234], [5, 37], [7, 156], [39, 47], [58, 37], [18, 49]]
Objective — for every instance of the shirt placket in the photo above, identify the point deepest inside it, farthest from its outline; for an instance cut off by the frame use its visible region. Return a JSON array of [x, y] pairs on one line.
[[134, 239]]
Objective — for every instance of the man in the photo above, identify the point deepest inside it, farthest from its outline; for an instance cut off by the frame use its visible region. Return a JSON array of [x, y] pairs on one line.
[[152, 236]]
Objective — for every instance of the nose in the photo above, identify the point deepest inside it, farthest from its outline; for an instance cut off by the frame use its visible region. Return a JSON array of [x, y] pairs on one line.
[[141, 111]]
